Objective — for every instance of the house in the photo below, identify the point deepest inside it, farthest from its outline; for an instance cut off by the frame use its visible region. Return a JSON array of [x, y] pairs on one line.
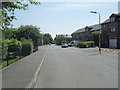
[[85, 34], [79, 34], [110, 36]]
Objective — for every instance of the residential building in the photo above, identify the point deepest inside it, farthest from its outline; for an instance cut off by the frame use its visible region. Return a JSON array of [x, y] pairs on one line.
[[85, 34], [110, 36]]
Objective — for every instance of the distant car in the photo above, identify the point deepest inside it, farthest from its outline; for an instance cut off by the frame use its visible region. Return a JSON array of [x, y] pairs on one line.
[[64, 45]]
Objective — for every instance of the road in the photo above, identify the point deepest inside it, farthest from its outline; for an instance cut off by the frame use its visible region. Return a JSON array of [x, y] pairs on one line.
[[78, 68], [64, 68]]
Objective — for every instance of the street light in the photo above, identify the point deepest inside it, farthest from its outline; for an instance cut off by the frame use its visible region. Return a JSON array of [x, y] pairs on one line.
[[99, 30]]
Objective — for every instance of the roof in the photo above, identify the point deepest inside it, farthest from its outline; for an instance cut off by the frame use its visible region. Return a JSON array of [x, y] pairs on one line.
[[118, 14], [79, 30], [93, 27], [108, 20]]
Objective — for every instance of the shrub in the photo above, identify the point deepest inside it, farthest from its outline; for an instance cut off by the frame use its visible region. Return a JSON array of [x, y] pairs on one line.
[[10, 48], [27, 47], [90, 43], [86, 44], [82, 45]]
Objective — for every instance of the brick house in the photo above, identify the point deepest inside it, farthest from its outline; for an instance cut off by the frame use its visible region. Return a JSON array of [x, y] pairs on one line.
[[110, 36], [85, 34], [79, 34]]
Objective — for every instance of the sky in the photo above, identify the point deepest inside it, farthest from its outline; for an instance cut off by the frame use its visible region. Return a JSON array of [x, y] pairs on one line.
[[64, 17]]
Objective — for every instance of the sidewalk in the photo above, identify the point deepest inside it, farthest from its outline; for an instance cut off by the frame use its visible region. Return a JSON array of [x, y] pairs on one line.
[[20, 74], [111, 50]]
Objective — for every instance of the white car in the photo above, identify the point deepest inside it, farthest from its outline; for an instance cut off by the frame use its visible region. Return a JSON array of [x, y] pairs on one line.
[[73, 43], [64, 45]]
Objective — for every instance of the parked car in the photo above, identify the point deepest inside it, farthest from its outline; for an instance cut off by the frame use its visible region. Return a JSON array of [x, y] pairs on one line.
[[64, 45], [73, 43]]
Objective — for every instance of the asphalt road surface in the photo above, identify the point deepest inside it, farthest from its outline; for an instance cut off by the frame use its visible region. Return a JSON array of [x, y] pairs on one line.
[[64, 68], [78, 68]]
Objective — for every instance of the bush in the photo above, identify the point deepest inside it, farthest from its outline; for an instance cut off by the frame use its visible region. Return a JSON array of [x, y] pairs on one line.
[[10, 48], [82, 45], [90, 43], [86, 44], [27, 47]]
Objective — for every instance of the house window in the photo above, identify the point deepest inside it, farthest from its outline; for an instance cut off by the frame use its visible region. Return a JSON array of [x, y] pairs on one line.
[[112, 30], [104, 26], [112, 19]]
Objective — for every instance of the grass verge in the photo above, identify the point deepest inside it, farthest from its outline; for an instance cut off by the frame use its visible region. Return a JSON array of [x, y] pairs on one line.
[[11, 61]]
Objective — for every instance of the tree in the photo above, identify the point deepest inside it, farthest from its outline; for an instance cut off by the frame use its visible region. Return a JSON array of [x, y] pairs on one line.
[[8, 9], [59, 39], [95, 35], [47, 38], [30, 32], [9, 33]]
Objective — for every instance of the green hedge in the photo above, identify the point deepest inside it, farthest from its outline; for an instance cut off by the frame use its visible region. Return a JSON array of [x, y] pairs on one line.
[[86, 44], [10, 48], [27, 47]]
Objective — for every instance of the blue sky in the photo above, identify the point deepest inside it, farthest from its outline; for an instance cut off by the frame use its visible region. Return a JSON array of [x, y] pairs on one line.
[[64, 17]]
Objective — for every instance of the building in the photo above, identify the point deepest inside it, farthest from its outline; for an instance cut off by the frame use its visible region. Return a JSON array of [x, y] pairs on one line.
[[85, 34], [110, 36]]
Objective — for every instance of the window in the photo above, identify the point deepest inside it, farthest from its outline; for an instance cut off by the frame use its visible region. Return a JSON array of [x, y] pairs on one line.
[[112, 19], [113, 30], [87, 29], [104, 26]]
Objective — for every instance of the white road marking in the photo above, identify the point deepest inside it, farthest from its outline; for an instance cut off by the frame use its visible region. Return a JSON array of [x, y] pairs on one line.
[[34, 80]]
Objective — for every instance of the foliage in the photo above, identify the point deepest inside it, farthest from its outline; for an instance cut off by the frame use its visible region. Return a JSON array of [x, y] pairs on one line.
[[96, 37], [10, 33], [27, 47], [47, 38], [8, 9], [86, 44], [10, 45], [59, 39], [30, 32]]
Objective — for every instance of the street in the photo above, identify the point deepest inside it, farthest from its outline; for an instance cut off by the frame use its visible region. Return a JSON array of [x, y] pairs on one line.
[[64, 68], [78, 68]]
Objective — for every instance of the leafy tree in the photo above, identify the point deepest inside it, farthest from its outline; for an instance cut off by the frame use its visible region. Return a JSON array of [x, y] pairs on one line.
[[8, 9], [95, 35], [30, 32], [47, 38], [10, 33], [59, 39]]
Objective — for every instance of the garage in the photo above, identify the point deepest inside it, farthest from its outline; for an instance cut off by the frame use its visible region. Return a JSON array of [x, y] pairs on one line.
[[113, 43]]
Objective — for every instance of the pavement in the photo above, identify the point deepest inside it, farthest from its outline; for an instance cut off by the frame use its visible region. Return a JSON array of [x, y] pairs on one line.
[[58, 67], [111, 50], [20, 74]]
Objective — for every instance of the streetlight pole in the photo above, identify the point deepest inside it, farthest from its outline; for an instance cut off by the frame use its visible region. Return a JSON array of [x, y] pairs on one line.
[[99, 30]]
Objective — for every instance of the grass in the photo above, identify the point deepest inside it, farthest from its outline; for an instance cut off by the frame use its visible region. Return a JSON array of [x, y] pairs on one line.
[[11, 61]]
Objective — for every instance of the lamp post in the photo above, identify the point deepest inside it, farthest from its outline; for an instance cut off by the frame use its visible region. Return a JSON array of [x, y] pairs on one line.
[[99, 30]]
